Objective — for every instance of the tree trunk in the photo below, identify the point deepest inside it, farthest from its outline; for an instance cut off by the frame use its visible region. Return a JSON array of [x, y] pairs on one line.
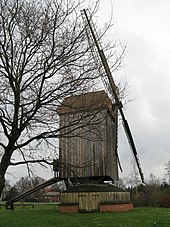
[[3, 168], [2, 184]]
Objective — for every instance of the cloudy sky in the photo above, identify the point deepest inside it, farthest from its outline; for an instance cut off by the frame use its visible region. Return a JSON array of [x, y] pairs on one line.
[[145, 27]]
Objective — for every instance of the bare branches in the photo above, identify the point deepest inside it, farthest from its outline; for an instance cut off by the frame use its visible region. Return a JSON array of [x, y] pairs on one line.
[[44, 57], [40, 44], [30, 161]]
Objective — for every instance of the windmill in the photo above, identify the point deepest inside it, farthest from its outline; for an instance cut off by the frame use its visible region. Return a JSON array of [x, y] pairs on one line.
[[88, 159], [110, 84]]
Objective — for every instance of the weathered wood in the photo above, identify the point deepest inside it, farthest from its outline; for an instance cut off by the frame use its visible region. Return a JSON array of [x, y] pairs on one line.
[[87, 145]]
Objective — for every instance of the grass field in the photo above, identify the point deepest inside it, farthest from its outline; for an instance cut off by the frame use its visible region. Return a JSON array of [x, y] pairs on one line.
[[47, 215]]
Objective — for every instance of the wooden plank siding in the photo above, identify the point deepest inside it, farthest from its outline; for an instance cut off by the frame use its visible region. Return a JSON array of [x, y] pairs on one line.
[[87, 145], [107, 197]]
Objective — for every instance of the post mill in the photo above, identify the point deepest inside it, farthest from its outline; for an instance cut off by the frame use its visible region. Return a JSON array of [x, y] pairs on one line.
[[88, 145], [88, 152]]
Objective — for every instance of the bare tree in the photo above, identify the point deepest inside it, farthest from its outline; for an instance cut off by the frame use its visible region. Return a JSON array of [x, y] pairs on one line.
[[25, 183], [44, 57], [134, 179], [167, 169]]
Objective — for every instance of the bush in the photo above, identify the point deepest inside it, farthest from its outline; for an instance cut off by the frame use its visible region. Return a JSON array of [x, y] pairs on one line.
[[165, 202]]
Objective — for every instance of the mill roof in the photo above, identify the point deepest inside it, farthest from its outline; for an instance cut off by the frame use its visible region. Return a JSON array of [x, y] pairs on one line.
[[94, 188], [85, 102]]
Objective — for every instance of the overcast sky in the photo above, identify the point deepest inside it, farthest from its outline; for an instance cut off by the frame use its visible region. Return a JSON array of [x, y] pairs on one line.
[[145, 27]]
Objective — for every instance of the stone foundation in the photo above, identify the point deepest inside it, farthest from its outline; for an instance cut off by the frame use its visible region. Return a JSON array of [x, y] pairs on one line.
[[69, 209], [102, 208], [116, 207]]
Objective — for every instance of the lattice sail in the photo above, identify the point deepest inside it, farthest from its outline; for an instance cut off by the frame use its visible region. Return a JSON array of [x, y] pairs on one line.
[[110, 84]]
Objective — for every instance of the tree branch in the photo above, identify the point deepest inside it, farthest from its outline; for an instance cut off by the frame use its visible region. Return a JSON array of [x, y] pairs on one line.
[[30, 161]]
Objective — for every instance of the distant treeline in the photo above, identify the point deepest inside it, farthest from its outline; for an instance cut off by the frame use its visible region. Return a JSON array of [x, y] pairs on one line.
[[151, 195]]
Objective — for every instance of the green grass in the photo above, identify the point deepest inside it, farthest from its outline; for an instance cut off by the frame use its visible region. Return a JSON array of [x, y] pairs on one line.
[[48, 216]]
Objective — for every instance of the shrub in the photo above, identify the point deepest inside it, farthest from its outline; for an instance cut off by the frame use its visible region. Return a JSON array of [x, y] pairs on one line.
[[165, 202]]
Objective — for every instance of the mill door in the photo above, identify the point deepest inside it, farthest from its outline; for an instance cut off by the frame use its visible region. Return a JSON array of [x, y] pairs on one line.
[[88, 202]]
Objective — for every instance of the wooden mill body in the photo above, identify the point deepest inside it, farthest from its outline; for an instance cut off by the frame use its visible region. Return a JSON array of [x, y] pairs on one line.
[[88, 137]]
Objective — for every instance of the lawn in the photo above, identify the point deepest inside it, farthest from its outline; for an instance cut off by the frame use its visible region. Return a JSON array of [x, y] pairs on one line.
[[48, 215]]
